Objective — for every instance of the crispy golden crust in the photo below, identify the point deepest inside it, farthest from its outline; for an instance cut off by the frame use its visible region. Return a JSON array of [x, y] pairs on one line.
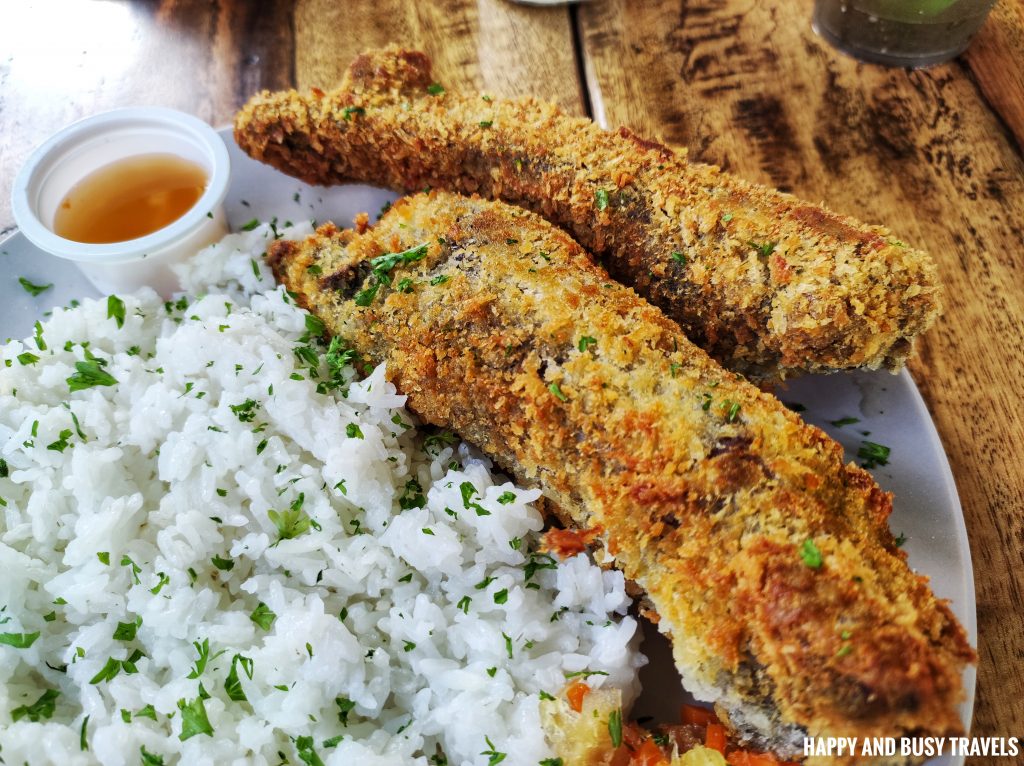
[[767, 284], [701, 486]]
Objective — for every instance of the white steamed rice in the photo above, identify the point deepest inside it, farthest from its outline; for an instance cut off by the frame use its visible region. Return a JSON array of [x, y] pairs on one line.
[[146, 507]]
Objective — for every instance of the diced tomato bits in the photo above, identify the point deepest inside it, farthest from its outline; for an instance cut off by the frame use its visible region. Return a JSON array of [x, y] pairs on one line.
[[566, 543], [698, 715], [633, 735], [576, 693], [648, 754], [715, 737]]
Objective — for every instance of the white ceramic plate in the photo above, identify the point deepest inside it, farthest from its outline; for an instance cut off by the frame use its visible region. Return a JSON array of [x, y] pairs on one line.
[[889, 409]]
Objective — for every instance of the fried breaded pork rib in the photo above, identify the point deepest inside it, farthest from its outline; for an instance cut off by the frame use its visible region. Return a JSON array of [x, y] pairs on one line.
[[766, 559], [767, 284]]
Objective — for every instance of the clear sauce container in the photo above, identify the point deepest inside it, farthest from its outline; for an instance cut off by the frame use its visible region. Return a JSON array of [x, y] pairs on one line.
[[111, 157]]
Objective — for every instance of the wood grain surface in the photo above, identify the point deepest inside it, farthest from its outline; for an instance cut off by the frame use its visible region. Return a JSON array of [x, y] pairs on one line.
[[935, 154], [748, 85]]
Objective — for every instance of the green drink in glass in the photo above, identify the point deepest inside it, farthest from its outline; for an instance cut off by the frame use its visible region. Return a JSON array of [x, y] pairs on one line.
[[908, 33]]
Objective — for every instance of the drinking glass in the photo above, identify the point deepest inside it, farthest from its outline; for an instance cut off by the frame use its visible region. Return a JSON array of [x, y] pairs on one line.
[[907, 33]]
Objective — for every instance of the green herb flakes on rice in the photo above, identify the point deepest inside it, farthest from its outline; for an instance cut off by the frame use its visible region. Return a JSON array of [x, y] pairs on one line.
[[219, 545]]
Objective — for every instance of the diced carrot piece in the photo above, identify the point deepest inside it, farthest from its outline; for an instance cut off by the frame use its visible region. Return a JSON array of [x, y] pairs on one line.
[[576, 693], [715, 737], [746, 758], [698, 715], [648, 754]]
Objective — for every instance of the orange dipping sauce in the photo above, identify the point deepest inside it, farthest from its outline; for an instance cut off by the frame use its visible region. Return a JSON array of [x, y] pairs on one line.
[[129, 199]]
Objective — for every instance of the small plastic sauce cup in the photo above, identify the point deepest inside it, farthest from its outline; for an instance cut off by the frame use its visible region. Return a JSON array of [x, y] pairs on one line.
[[78, 150]]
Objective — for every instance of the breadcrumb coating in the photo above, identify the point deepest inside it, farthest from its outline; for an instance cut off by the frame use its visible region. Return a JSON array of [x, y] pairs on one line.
[[768, 285], [766, 559]]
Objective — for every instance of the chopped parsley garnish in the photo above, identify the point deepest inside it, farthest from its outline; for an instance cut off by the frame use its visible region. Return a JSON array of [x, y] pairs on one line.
[[40, 710], [435, 443], [263, 616], [246, 411], [545, 696], [104, 557], [484, 583], [126, 562], [162, 580], [844, 422], [900, 540], [26, 358], [203, 649], [794, 406], [348, 111], [18, 640], [678, 257], [507, 497], [232, 686], [38, 337], [408, 646], [601, 199], [435, 89], [464, 603], [33, 289], [115, 310], [193, 719], [501, 596], [109, 670], [315, 328], [250, 225], [494, 757], [810, 554], [382, 266], [538, 561], [467, 490], [727, 217], [440, 279], [615, 727], [224, 565], [62, 442], [304, 750], [873, 454], [764, 249], [150, 759], [486, 123], [555, 389], [584, 674], [345, 706], [292, 522], [88, 374], [147, 712], [126, 631], [412, 496], [353, 431], [508, 644], [551, 762], [732, 410], [586, 342]]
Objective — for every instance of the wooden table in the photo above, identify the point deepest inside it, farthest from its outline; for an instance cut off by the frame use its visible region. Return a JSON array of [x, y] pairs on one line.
[[745, 84]]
